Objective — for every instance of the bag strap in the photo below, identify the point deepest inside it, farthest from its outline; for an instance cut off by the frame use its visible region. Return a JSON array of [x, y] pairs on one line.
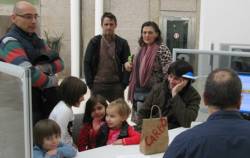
[[137, 69], [152, 108]]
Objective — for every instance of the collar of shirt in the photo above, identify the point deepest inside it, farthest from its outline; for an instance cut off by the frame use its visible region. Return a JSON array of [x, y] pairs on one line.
[[224, 114]]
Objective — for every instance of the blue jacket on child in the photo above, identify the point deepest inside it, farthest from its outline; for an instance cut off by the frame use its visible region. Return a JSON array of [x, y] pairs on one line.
[[63, 150]]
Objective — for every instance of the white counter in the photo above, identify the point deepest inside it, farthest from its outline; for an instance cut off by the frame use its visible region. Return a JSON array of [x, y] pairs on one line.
[[128, 151]]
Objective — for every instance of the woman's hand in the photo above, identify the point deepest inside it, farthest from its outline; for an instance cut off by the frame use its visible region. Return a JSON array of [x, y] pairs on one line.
[[128, 66], [179, 87]]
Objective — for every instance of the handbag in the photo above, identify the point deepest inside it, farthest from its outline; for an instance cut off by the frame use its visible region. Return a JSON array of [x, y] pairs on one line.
[[140, 94], [154, 134]]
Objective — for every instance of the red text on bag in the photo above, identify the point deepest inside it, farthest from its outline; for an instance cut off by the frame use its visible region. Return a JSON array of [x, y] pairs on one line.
[[156, 132]]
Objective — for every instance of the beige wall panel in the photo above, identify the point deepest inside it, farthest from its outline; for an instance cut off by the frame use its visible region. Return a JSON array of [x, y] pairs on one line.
[[5, 9], [130, 18], [178, 5], [56, 21], [88, 21], [154, 10]]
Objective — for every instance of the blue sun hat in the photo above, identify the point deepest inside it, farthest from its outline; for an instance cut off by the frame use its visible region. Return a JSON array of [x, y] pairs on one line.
[[189, 75]]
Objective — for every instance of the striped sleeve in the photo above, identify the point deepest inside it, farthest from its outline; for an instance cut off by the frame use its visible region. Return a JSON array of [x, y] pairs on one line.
[[57, 65], [12, 52]]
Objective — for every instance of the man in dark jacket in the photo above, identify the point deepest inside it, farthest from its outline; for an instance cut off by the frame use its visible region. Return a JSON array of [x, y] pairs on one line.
[[225, 133], [177, 99], [104, 61]]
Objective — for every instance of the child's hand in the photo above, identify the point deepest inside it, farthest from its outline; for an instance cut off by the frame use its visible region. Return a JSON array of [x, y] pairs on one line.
[[118, 142], [52, 152], [96, 124]]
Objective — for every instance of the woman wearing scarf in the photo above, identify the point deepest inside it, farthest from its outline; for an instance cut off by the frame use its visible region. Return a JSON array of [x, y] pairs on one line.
[[149, 66]]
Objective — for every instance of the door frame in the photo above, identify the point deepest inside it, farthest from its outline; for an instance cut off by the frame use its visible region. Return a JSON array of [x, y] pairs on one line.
[[191, 28]]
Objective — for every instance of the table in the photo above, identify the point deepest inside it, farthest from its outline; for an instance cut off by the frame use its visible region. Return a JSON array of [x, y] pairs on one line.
[[128, 151]]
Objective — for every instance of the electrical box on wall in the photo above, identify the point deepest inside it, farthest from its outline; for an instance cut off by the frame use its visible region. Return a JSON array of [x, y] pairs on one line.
[[179, 32]]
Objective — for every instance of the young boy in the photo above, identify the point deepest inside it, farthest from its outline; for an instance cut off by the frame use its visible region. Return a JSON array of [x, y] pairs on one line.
[[47, 136]]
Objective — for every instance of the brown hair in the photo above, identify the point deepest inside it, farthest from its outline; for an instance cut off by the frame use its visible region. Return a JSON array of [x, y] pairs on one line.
[[71, 89], [90, 104], [45, 128], [110, 16], [122, 106], [156, 28]]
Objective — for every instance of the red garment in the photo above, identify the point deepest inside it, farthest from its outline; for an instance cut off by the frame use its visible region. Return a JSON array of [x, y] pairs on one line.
[[113, 134], [87, 137], [133, 136]]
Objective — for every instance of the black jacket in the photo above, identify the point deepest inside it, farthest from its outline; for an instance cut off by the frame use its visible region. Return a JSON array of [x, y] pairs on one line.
[[92, 55]]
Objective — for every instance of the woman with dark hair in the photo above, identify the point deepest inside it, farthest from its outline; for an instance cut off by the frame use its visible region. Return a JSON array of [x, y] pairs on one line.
[[175, 96], [149, 66]]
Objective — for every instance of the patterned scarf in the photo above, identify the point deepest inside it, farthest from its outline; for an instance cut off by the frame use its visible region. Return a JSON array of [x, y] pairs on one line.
[[143, 63]]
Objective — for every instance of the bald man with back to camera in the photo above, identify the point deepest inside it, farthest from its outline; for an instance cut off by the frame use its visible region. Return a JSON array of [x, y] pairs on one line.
[[225, 134]]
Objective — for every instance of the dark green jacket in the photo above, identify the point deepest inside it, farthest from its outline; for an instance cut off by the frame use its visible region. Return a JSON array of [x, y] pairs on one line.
[[92, 55], [180, 110]]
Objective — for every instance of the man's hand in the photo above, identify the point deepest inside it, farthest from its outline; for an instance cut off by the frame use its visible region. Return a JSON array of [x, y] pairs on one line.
[[53, 81], [128, 66], [46, 68], [179, 87]]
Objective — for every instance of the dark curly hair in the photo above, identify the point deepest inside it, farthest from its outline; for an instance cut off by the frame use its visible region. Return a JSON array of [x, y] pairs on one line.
[[156, 28]]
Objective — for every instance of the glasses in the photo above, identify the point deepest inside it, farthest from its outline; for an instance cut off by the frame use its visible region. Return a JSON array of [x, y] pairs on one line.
[[29, 16]]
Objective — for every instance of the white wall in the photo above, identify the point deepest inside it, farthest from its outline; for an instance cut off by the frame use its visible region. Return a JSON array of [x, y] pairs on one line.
[[223, 21]]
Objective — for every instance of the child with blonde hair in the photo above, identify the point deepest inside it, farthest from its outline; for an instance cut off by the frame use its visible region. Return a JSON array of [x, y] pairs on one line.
[[116, 130]]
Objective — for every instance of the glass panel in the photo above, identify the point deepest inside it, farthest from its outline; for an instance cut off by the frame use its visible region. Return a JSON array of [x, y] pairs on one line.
[[241, 64], [11, 117], [190, 58]]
